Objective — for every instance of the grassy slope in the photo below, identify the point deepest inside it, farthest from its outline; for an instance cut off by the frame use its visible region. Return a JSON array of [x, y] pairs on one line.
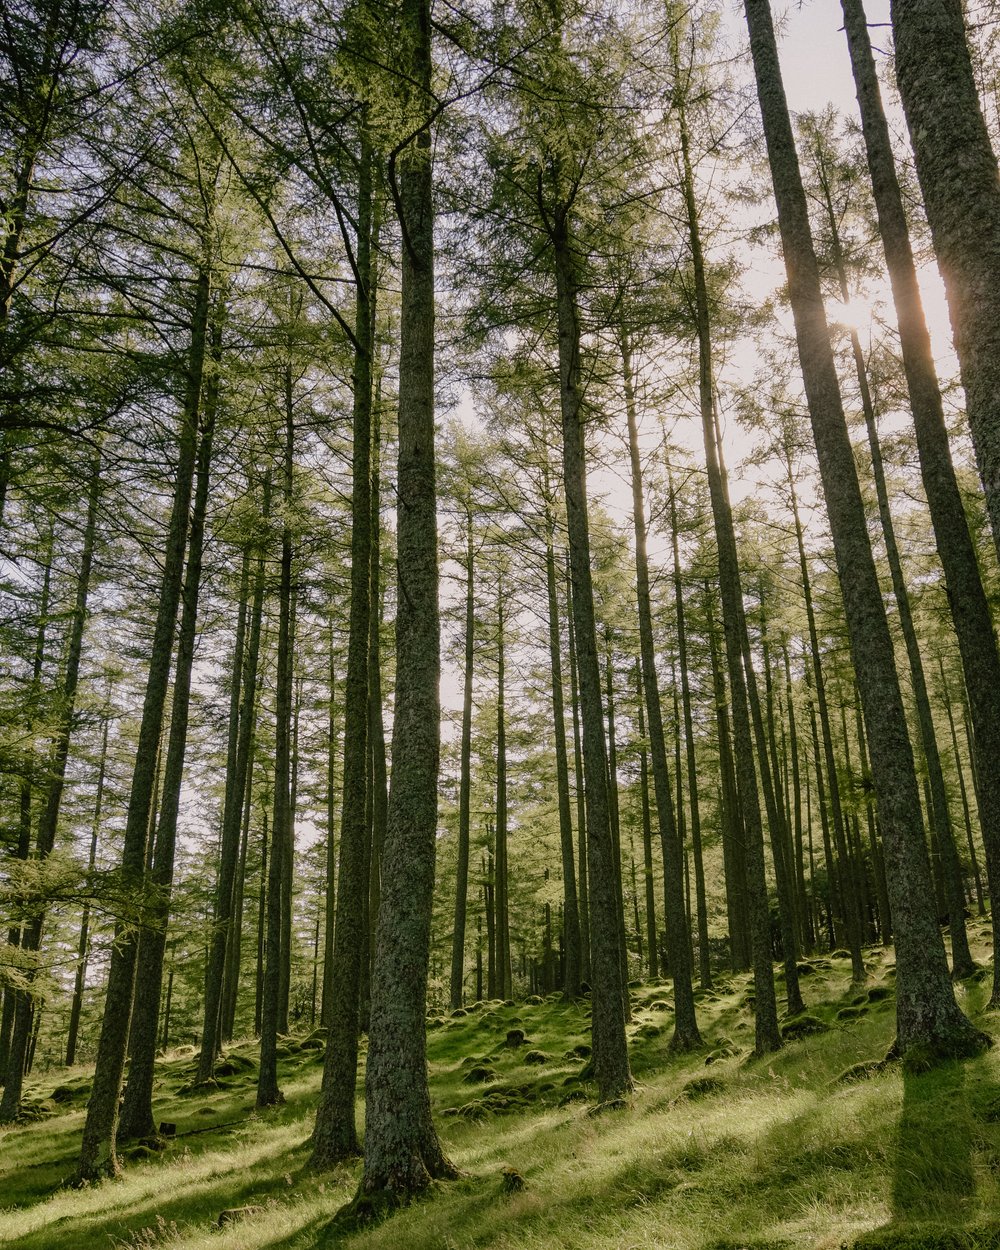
[[769, 1153]]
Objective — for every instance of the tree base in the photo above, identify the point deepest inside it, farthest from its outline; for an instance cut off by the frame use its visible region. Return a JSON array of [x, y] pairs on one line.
[[682, 1042], [922, 1056], [378, 1198]]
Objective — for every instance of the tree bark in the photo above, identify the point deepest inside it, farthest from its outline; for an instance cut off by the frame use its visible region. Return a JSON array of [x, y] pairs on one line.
[[572, 968], [958, 175], [610, 1049], [335, 1135], [402, 1151]]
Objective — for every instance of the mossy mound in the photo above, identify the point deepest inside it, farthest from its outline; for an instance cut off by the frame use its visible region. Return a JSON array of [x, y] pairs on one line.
[[479, 1075], [703, 1087], [803, 1026], [536, 1057]]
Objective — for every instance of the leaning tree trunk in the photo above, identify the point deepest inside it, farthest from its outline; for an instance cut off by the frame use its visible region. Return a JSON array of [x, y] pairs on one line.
[[966, 596], [97, 1157], [402, 1150], [962, 964], [958, 175], [927, 1014]]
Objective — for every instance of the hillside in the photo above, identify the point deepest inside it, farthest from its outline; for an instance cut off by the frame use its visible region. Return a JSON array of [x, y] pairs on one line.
[[716, 1150]]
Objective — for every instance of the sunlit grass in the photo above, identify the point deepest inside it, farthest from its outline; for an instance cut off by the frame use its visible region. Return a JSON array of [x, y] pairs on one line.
[[737, 1152]]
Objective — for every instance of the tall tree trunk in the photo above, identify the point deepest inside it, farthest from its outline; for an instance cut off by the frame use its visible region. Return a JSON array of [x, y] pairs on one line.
[[731, 817], [647, 828], [136, 1115], [962, 962], [616, 837], [608, 990], [268, 1092], [501, 871], [844, 898], [330, 900], [767, 1036], [807, 934], [966, 596], [335, 1135], [685, 1035], [242, 707], [465, 778], [97, 1157], [704, 967], [572, 969], [957, 169], [926, 1011], [402, 1151], [581, 806]]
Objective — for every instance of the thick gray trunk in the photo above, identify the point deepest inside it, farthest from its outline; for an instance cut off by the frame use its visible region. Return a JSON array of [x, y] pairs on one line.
[[957, 169]]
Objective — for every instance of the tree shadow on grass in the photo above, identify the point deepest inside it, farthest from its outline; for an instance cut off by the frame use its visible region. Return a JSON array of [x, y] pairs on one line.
[[934, 1189], [933, 1177]]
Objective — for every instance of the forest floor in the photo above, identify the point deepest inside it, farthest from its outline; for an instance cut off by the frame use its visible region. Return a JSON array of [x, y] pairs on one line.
[[716, 1150]]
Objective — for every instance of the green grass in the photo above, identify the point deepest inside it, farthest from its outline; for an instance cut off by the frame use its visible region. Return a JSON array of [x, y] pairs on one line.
[[782, 1152]]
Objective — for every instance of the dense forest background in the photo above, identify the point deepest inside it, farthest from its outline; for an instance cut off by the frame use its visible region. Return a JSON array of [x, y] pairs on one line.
[[314, 318]]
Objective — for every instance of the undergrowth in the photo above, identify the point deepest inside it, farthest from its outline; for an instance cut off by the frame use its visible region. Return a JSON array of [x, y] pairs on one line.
[[819, 1145]]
